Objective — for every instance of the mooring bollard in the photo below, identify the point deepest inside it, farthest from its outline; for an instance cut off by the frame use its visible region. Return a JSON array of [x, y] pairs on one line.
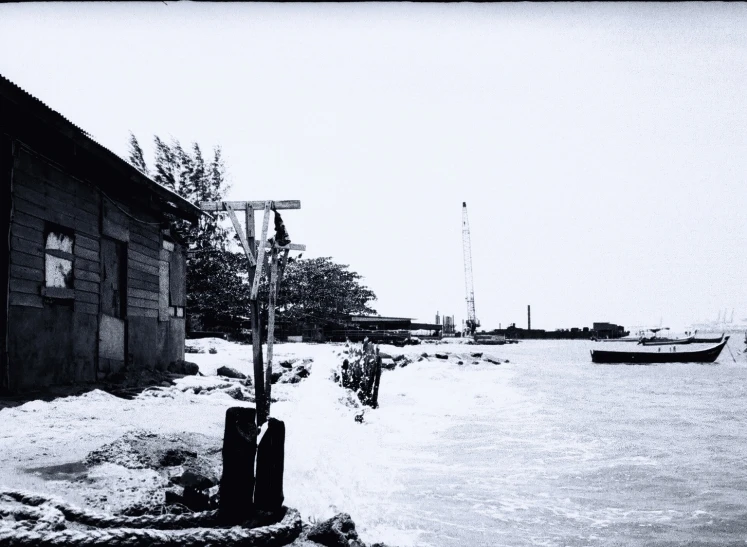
[[237, 481], [268, 489]]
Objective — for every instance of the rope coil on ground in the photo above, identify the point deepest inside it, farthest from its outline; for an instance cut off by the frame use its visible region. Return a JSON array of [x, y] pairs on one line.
[[191, 530]]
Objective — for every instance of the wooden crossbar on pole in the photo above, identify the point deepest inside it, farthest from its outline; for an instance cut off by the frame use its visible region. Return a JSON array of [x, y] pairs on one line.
[[261, 251], [256, 253], [242, 237], [242, 205]]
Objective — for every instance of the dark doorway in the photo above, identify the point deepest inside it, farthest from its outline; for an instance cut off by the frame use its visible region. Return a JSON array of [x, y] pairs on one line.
[[112, 335]]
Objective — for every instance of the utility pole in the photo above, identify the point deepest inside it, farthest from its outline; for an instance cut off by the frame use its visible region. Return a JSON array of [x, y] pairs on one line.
[[247, 236]]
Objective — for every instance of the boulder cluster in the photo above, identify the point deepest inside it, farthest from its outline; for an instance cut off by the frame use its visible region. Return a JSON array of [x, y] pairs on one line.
[[339, 531]]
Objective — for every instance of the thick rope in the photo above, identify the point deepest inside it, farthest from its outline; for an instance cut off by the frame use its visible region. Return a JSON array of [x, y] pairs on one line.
[[190, 530]]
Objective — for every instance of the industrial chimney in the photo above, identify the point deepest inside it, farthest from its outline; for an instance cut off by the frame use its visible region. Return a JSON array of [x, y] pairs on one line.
[[529, 317]]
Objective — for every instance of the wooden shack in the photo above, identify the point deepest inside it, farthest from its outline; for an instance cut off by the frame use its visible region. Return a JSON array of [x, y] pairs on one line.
[[96, 279]]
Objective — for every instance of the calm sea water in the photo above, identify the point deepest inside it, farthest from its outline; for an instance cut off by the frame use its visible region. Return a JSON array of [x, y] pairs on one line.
[[549, 449]]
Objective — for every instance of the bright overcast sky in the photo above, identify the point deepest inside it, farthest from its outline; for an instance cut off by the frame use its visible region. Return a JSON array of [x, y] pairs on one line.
[[601, 148]]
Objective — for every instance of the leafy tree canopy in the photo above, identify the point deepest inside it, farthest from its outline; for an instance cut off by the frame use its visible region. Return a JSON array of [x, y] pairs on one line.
[[320, 290], [217, 279]]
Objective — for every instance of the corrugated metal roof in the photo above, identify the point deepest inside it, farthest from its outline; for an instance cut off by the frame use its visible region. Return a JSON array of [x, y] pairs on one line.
[[179, 201], [52, 111]]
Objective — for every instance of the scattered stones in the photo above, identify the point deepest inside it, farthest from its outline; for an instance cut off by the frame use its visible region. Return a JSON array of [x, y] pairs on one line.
[[359, 417], [460, 362], [388, 363], [339, 531], [424, 355], [493, 361], [229, 372], [195, 480], [402, 360], [193, 349], [288, 363], [213, 351], [195, 500], [174, 497], [441, 356], [236, 393], [176, 456], [293, 376], [183, 367], [475, 362], [141, 449], [478, 355]]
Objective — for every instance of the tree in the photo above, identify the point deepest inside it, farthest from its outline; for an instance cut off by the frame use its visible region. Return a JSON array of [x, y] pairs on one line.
[[215, 276], [319, 290], [312, 290]]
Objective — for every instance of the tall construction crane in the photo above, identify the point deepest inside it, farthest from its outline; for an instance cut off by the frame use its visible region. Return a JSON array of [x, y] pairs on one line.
[[472, 322]]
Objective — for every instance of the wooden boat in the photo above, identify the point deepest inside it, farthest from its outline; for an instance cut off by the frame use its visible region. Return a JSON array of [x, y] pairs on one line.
[[707, 355], [704, 340], [668, 341]]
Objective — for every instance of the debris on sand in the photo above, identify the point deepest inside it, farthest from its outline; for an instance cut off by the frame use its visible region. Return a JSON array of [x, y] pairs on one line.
[[229, 372]]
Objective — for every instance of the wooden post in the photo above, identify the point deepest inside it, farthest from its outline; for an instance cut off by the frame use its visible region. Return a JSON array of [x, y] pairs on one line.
[[268, 486], [261, 251], [271, 321], [259, 376], [257, 258], [237, 481], [376, 380]]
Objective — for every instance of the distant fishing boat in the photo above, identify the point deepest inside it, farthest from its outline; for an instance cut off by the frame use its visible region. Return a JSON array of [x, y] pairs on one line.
[[707, 355], [668, 341], [706, 340]]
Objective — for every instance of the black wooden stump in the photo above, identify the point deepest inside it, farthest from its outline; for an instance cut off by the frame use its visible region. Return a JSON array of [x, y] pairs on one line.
[[237, 481], [268, 491]]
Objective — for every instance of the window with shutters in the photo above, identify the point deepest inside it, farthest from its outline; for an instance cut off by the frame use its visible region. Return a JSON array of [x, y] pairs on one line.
[[58, 263]]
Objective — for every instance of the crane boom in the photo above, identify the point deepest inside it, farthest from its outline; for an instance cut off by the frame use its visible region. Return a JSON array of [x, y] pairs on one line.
[[472, 322]]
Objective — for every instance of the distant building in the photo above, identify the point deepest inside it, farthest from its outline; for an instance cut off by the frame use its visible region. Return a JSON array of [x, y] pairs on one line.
[[448, 328], [378, 329], [600, 330], [609, 330]]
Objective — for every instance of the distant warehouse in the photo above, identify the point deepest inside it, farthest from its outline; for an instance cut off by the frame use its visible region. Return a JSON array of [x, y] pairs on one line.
[[609, 330], [96, 282]]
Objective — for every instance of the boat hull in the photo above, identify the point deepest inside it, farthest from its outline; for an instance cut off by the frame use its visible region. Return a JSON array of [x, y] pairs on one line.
[[707, 355], [716, 340], [669, 342]]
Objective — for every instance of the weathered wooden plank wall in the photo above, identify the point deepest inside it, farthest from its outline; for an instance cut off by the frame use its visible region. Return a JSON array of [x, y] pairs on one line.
[[56, 340], [6, 174], [53, 341]]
